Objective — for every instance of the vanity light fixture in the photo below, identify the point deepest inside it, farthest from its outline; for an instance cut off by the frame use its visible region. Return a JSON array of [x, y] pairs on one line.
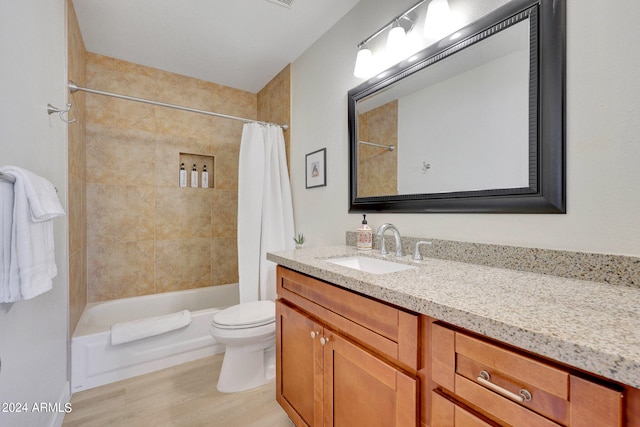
[[437, 24], [400, 26], [364, 62], [396, 37]]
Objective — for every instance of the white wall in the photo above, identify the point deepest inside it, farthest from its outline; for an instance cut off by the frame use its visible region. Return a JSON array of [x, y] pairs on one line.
[[33, 333], [603, 153], [466, 141]]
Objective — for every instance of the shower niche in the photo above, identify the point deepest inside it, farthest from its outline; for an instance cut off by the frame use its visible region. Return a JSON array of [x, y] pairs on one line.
[[201, 161]]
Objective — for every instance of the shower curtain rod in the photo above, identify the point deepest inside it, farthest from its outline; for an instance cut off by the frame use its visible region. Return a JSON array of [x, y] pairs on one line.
[[373, 144], [73, 87]]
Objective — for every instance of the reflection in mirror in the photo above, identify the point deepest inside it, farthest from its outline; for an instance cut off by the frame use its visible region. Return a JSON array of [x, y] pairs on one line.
[[489, 79], [475, 125]]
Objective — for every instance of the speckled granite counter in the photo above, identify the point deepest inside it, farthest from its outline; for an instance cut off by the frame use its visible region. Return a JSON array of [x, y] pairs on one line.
[[589, 325]]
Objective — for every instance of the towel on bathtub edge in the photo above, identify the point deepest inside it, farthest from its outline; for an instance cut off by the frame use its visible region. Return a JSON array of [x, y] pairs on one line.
[[134, 330]]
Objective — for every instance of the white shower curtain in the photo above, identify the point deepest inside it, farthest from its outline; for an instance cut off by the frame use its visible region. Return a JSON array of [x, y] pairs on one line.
[[265, 210]]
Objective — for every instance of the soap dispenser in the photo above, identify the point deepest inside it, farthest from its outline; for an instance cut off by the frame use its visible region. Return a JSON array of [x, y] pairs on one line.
[[365, 236], [194, 176], [205, 177], [183, 176]]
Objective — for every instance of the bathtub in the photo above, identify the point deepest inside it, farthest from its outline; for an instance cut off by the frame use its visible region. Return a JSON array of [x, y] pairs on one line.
[[95, 362]]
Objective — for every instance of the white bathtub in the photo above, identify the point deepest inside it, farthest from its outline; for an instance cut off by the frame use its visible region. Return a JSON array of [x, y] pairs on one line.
[[95, 362]]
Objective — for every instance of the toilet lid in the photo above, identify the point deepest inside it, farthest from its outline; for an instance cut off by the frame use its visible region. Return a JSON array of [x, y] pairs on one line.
[[249, 314]]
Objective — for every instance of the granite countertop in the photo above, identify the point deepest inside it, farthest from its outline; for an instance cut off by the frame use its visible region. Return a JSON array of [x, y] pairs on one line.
[[589, 325]]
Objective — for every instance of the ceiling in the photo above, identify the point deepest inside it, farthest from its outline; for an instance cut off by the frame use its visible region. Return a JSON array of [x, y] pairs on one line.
[[237, 43]]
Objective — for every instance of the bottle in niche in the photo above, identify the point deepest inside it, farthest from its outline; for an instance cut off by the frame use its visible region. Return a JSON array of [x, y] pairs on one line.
[[365, 236], [194, 177], [205, 177], [183, 176]]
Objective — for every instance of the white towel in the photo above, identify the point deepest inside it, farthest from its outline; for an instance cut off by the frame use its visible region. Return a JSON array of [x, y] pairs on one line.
[[31, 249], [148, 327], [9, 291]]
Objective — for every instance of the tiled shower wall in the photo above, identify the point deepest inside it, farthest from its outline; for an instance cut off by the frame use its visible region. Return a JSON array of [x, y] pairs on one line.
[[145, 234], [377, 167], [77, 183]]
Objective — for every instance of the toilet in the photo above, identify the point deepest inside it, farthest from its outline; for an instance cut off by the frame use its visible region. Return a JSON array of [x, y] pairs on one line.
[[248, 331]]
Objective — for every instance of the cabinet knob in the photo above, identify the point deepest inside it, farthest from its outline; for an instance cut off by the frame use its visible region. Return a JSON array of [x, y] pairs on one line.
[[313, 334], [324, 340]]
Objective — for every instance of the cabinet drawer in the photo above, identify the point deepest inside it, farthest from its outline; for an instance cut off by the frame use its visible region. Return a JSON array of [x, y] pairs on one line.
[[494, 405], [547, 386], [489, 377], [381, 327]]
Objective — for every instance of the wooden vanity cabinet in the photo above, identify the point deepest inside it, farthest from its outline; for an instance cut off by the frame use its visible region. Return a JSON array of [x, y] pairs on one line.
[[343, 359], [480, 383]]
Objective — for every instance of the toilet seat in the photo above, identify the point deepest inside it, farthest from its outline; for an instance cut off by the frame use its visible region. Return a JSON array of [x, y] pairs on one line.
[[246, 315]]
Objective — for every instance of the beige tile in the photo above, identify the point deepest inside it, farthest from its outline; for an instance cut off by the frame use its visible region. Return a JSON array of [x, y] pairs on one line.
[[133, 157], [182, 123], [77, 143], [77, 288], [115, 112], [234, 102], [118, 156], [119, 270], [182, 213], [76, 213], [182, 264], [226, 165], [117, 213], [274, 103], [224, 216], [119, 77], [224, 262], [228, 132]]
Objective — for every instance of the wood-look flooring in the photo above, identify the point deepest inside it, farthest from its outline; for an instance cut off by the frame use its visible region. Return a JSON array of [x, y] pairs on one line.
[[183, 395]]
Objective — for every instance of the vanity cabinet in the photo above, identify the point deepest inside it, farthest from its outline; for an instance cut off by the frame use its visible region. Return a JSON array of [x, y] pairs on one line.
[[343, 358], [481, 383]]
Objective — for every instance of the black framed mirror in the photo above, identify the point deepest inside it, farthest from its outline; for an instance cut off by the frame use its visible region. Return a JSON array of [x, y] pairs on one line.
[[472, 123]]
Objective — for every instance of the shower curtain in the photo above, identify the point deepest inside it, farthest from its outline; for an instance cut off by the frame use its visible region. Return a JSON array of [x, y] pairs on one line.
[[265, 209]]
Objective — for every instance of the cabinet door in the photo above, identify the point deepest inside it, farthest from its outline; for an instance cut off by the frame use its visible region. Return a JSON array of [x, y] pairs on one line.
[[362, 390], [298, 366], [447, 413]]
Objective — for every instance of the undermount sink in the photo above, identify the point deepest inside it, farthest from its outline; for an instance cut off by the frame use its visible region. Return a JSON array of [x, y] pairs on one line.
[[370, 265]]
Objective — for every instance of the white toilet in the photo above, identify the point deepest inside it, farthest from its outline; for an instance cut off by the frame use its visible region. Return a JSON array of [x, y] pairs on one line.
[[248, 330]]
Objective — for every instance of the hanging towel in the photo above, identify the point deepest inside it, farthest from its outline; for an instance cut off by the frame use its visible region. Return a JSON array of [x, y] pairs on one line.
[[31, 245], [148, 327], [9, 291]]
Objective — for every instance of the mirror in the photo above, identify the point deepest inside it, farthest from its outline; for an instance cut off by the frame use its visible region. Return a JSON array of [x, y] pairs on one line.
[[473, 123]]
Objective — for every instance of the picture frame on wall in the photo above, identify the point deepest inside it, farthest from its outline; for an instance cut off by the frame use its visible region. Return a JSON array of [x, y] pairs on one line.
[[316, 168]]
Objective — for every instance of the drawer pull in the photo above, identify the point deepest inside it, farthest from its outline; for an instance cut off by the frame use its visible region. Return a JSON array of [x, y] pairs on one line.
[[324, 340], [485, 379], [313, 334]]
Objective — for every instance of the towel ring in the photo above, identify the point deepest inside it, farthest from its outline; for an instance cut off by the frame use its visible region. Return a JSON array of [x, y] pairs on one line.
[[51, 109]]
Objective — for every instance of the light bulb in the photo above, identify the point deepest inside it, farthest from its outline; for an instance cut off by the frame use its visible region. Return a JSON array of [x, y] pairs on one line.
[[395, 39], [438, 21], [364, 63]]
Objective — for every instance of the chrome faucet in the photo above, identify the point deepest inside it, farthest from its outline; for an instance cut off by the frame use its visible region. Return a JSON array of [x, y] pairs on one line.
[[396, 234], [417, 256]]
